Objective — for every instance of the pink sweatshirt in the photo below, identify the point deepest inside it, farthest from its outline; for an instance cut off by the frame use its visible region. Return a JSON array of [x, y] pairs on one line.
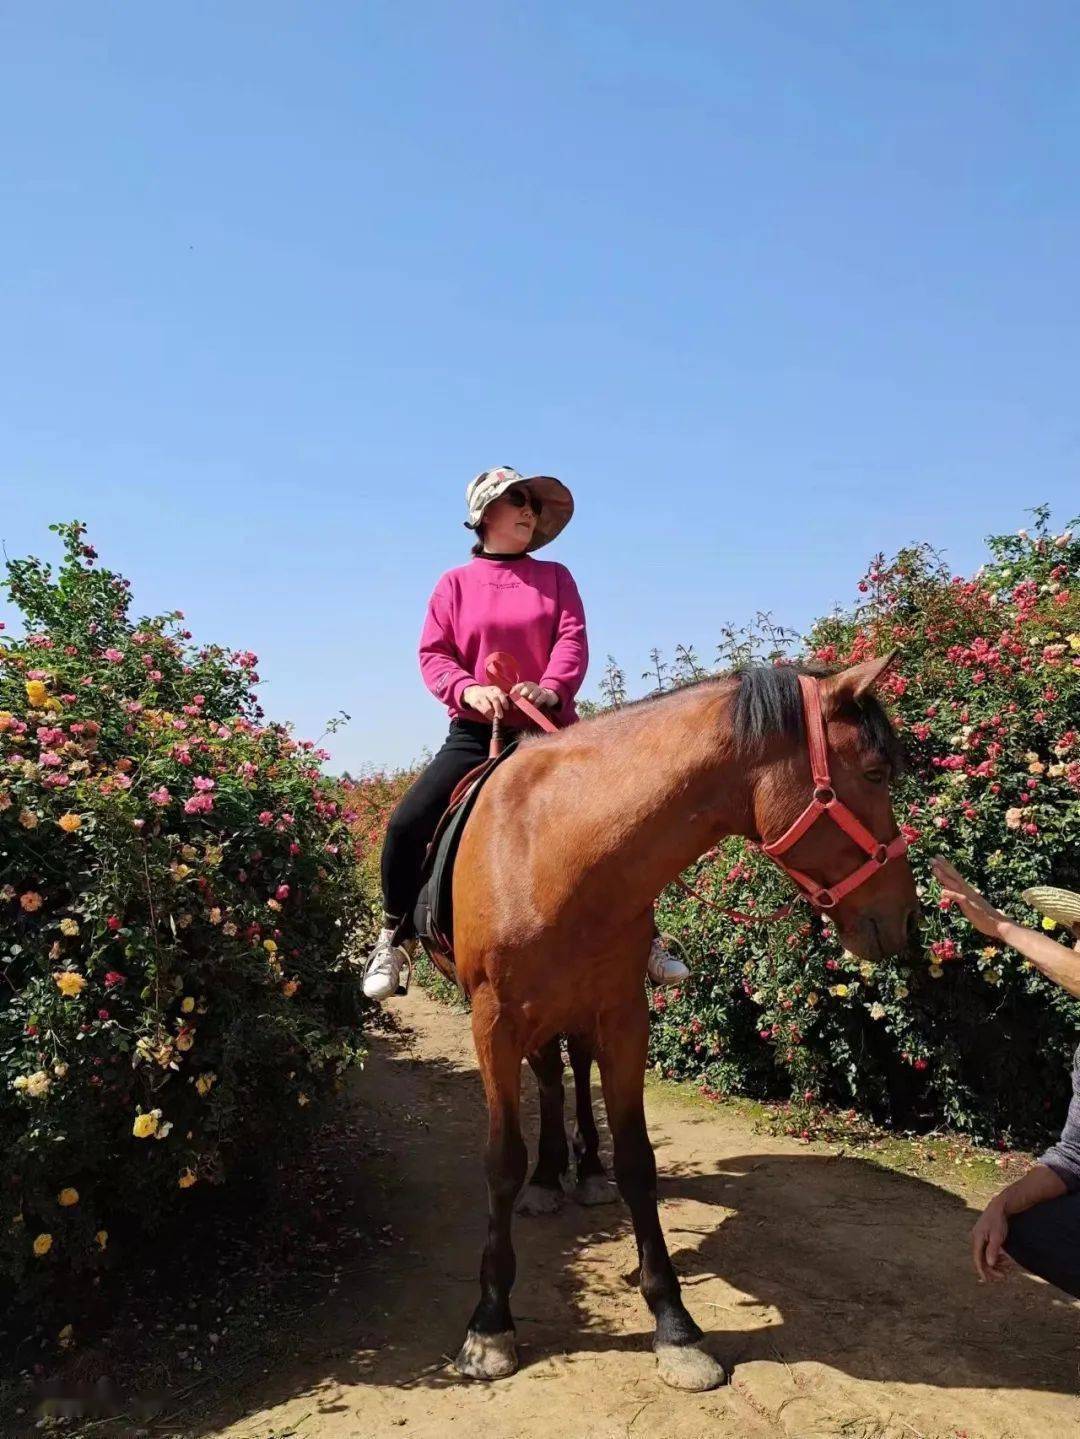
[[529, 608]]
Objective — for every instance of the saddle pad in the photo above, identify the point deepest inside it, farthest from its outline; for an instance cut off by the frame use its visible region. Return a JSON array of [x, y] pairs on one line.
[[433, 918]]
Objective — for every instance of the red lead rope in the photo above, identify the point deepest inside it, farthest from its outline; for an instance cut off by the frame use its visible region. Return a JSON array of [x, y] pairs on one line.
[[502, 670]]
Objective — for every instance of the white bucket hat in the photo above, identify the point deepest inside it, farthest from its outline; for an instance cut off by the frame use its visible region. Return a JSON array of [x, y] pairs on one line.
[[557, 503]]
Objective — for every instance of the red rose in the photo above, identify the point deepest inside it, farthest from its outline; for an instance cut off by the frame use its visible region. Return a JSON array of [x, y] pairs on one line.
[[113, 923], [113, 978]]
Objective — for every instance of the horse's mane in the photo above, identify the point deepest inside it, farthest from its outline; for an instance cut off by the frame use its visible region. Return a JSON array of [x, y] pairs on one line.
[[768, 704]]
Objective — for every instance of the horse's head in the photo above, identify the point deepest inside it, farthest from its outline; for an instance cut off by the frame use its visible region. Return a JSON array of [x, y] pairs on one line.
[[875, 915]]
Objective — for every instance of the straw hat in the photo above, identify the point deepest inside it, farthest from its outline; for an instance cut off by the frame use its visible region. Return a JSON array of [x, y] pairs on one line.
[[1062, 905]]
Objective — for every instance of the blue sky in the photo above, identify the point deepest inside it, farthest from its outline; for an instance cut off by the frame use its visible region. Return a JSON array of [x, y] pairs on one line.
[[770, 286]]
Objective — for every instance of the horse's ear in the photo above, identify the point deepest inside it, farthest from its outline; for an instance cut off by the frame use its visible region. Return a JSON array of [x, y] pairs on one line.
[[858, 681]]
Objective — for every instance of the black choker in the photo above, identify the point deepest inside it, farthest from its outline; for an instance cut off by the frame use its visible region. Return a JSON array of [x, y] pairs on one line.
[[487, 555]]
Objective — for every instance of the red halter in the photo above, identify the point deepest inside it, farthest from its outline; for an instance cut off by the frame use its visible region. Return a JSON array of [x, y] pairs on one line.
[[826, 802]]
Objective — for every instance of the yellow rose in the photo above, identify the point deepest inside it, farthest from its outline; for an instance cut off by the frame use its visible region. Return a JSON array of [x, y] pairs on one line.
[[70, 822], [35, 1084], [7, 719], [1049, 923], [70, 985], [270, 945], [66, 1336], [185, 1039], [102, 1237], [36, 693], [42, 1245], [187, 1004], [187, 1178], [53, 706], [205, 1083], [936, 971], [1074, 643], [840, 990], [145, 1125], [68, 1197], [69, 927]]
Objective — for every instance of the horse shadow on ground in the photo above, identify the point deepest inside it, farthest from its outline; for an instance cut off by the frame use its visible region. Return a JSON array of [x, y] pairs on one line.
[[792, 1256]]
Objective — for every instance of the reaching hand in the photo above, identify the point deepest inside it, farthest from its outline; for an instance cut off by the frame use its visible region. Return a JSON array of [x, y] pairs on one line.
[[486, 700], [975, 908]]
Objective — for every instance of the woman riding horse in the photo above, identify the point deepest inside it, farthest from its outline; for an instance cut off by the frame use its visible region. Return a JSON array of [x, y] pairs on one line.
[[502, 600]]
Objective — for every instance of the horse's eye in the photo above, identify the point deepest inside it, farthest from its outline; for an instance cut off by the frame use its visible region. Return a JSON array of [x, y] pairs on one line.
[[878, 775]]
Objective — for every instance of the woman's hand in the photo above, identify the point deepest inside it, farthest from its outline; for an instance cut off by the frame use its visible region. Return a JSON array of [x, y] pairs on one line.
[[536, 694], [486, 700], [975, 908], [988, 1241]]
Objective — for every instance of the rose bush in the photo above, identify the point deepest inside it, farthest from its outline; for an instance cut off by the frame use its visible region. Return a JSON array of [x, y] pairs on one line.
[[176, 882], [986, 696]]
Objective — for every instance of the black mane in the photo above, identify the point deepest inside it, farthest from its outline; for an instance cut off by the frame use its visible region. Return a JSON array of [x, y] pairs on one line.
[[769, 703]]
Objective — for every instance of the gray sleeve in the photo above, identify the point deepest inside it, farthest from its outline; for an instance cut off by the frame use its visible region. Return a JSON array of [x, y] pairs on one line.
[[1064, 1156]]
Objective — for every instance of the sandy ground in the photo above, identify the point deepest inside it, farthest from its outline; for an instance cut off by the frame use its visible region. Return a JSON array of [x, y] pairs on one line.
[[838, 1294]]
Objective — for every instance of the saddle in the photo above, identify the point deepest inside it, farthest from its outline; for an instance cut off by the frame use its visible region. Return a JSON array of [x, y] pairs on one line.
[[432, 919]]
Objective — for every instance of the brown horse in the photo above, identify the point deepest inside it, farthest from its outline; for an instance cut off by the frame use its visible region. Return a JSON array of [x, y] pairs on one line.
[[571, 841]]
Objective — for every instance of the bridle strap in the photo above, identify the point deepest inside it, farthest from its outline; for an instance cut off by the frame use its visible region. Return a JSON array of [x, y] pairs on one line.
[[825, 802]]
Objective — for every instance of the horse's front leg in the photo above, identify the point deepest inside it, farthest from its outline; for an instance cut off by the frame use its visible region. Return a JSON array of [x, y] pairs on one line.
[[623, 1039], [593, 1185], [490, 1349], [544, 1192]]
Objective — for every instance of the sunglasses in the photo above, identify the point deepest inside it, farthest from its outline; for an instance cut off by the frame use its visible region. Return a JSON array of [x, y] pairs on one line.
[[519, 498]]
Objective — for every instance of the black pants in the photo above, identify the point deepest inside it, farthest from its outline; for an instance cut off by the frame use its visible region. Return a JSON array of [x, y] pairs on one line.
[[413, 822], [1046, 1240]]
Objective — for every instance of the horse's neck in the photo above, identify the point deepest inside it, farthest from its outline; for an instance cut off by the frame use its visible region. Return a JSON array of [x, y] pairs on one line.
[[669, 785]]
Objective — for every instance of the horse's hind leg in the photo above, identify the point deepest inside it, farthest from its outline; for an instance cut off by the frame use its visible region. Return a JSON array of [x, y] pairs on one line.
[[490, 1350], [544, 1193], [593, 1185], [623, 1036]]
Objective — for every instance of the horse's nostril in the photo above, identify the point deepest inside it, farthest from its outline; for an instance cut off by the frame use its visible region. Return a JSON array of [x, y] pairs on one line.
[[913, 928]]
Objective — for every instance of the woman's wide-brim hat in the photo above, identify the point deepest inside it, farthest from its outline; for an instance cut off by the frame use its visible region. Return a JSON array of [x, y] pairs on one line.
[[556, 501], [1062, 905]]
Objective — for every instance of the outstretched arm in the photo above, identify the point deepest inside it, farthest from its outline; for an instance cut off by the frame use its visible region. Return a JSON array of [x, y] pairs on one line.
[[1056, 961]]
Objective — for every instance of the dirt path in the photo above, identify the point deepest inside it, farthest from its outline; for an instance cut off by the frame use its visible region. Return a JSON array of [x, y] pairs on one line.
[[838, 1294]]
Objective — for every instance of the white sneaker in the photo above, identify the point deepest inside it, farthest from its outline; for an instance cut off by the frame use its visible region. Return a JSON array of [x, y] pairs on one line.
[[382, 972], [663, 968]]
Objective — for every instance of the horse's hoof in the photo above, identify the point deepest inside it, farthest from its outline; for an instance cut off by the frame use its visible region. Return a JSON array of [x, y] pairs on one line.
[[684, 1366], [595, 1189], [537, 1199], [487, 1356]]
